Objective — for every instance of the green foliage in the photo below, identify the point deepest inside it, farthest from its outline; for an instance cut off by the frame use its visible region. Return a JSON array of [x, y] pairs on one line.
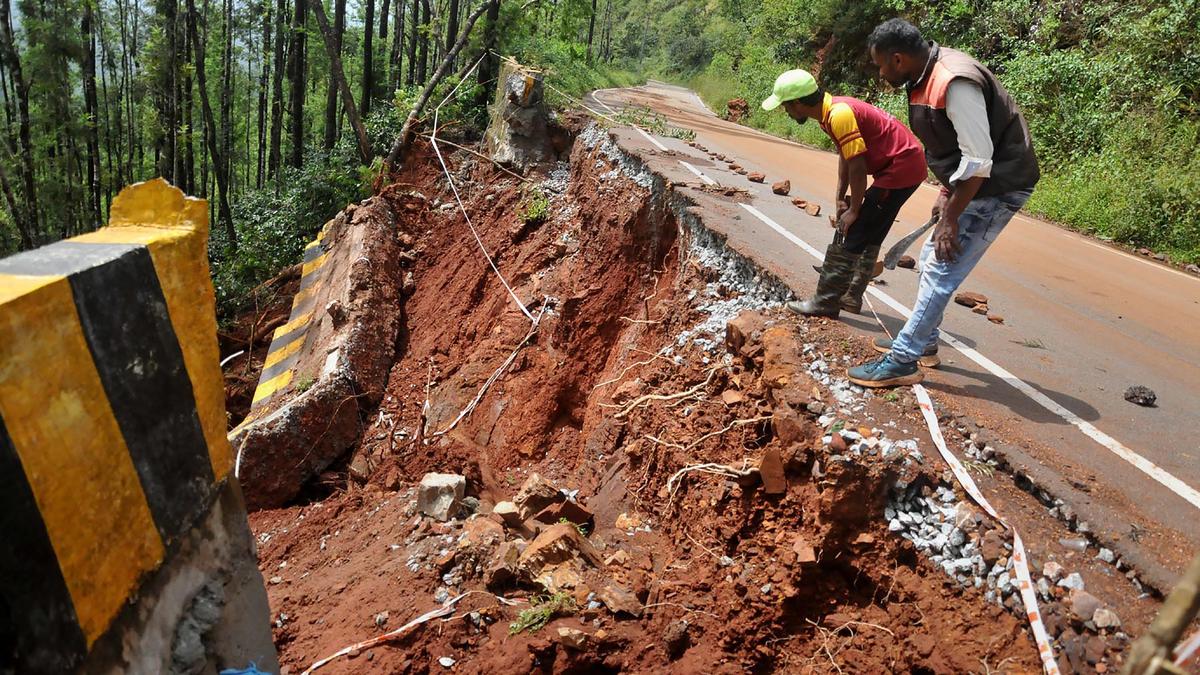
[[1111, 91], [542, 610], [536, 207], [581, 529]]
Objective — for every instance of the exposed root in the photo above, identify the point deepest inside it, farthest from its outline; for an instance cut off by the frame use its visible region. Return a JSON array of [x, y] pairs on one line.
[[641, 400]]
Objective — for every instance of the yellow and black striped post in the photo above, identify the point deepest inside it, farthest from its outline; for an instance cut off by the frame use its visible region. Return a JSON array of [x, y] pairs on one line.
[[112, 418]]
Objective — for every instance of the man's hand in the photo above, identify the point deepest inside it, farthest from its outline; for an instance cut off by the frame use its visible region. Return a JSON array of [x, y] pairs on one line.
[[846, 219], [939, 205], [945, 239], [842, 206]]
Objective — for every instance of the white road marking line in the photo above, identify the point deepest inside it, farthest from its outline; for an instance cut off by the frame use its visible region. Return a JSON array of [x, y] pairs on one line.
[[1134, 258], [641, 131], [706, 179], [1142, 464]]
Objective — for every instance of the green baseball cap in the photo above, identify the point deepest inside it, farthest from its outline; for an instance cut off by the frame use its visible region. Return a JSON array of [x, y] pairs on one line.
[[789, 86]]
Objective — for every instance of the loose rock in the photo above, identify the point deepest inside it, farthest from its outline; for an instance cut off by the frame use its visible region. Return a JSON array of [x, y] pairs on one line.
[[619, 599], [757, 177], [995, 318], [1083, 604], [907, 262], [439, 495], [1143, 396], [782, 187], [812, 209], [970, 299], [509, 513], [1106, 618], [536, 494], [675, 638], [771, 468]]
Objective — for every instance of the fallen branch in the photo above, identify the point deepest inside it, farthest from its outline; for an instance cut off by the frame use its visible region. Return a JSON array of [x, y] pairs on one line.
[[668, 397]]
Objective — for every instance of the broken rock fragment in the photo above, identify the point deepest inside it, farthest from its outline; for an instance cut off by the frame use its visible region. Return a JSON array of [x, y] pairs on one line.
[[440, 495], [771, 468], [619, 599], [812, 209], [509, 513], [536, 494], [907, 262], [782, 187], [970, 298], [565, 510], [675, 638], [757, 177]]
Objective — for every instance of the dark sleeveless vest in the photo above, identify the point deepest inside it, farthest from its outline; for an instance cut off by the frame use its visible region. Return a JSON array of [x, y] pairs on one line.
[[1014, 165]]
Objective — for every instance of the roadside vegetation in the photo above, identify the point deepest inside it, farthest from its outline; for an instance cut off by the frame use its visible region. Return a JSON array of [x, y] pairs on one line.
[[237, 100], [1111, 90]]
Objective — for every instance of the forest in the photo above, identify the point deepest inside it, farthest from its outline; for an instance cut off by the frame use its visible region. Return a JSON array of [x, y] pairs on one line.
[[258, 106]]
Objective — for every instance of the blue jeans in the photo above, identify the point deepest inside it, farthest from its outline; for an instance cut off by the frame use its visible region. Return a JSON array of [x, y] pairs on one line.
[[981, 222]]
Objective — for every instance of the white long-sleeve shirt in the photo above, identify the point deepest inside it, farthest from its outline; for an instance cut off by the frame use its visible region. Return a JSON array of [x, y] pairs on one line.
[[967, 110]]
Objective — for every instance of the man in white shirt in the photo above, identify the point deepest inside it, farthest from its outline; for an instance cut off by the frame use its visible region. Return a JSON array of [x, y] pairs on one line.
[[978, 146]]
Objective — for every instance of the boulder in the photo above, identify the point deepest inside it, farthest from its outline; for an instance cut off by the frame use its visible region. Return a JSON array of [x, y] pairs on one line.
[[675, 638], [1083, 604], [741, 329], [736, 109], [440, 495], [555, 558]]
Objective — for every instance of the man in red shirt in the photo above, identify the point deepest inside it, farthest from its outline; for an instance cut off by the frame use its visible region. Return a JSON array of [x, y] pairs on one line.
[[870, 142]]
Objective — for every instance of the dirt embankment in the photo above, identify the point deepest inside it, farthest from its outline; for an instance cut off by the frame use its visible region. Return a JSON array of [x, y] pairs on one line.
[[721, 527]]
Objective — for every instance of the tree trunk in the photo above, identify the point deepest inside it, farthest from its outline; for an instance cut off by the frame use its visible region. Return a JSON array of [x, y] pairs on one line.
[[211, 134], [400, 147], [395, 62], [383, 22], [331, 93], [276, 156], [299, 70], [423, 59], [591, 31], [92, 109], [368, 75], [451, 26], [27, 161], [338, 75], [415, 18], [489, 69], [263, 83], [227, 96]]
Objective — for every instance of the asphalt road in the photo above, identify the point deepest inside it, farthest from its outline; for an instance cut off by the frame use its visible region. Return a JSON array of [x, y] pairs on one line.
[[1083, 321]]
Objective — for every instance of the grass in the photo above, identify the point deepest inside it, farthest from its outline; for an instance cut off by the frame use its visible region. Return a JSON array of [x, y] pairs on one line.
[[542, 609], [1032, 343]]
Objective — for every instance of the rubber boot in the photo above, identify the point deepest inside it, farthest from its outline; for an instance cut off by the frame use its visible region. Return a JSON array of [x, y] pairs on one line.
[[864, 271], [835, 279]]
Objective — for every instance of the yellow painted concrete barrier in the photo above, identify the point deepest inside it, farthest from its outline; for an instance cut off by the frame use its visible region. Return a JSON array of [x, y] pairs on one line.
[[112, 421]]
